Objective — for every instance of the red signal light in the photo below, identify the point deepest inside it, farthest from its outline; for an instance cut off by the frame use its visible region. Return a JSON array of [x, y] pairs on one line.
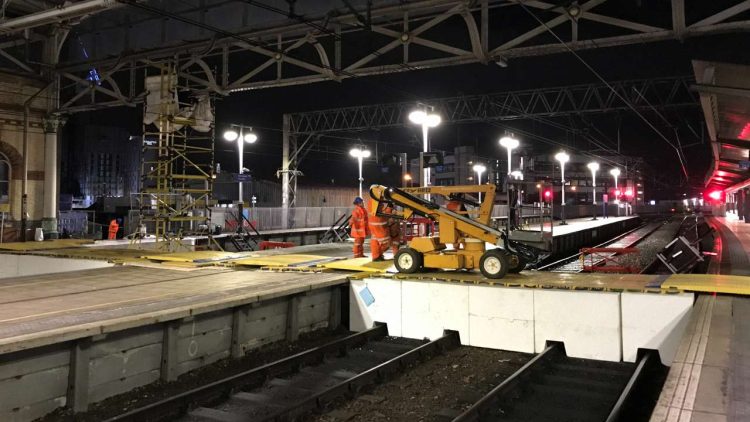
[[715, 195], [547, 194], [629, 192], [617, 192]]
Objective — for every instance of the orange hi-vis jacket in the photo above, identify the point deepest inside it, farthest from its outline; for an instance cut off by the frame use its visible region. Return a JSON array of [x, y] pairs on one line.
[[379, 228], [359, 222]]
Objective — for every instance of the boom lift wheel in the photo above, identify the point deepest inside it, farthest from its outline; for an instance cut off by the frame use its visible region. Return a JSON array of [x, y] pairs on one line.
[[408, 260], [494, 264], [516, 263]]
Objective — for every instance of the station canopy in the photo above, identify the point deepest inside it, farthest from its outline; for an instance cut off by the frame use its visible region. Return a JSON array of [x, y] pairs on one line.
[[725, 98]]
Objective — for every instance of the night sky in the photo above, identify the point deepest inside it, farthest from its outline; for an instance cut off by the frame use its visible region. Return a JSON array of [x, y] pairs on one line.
[[263, 109]]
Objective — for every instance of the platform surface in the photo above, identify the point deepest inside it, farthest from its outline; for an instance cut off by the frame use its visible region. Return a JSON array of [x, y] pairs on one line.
[[734, 245], [39, 310], [710, 380]]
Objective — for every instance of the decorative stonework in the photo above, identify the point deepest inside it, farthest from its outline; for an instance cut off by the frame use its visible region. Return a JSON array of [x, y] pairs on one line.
[[52, 122], [15, 158]]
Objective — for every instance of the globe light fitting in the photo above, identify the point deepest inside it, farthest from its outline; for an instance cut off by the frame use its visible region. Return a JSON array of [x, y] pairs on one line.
[[231, 135], [250, 138], [509, 142], [594, 167], [562, 157]]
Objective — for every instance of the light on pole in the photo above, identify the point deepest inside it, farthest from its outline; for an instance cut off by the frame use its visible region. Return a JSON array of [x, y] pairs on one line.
[[509, 143], [615, 172], [426, 120], [407, 179], [360, 153], [594, 167], [563, 158], [479, 169], [242, 135]]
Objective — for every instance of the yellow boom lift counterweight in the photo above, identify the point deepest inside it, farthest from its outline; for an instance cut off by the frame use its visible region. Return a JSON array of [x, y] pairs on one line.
[[470, 229]]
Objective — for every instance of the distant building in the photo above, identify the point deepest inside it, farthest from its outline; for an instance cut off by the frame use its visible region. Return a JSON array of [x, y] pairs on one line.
[[578, 179], [456, 168], [100, 161]]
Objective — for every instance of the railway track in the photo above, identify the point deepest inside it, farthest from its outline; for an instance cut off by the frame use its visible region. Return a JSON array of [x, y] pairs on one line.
[[574, 263], [299, 384], [554, 387]]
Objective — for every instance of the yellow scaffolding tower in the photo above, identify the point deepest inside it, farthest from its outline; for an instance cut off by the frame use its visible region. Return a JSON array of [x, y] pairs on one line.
[[176, 167]]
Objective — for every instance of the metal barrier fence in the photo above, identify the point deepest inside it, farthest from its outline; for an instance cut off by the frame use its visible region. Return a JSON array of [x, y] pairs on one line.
[[274, 218], [79, 224]]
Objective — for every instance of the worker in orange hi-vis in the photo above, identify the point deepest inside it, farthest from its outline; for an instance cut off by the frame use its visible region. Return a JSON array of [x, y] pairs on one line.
[[359, 226], [113, 228], [381, 236]]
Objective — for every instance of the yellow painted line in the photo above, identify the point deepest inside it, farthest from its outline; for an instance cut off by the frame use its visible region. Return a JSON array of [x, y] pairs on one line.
[[719, 283], [278, 260], [45, 245], [359, 265]]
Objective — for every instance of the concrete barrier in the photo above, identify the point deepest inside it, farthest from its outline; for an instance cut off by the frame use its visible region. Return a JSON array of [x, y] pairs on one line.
[[594, 325]]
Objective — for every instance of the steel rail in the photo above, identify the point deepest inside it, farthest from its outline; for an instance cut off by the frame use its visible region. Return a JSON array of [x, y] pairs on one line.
[[352, 386], [571, 258], [221, 389], [614, 414], [478, 409]]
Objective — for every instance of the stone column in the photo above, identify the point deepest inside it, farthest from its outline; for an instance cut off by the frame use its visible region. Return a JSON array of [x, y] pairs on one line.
[[49, 216]]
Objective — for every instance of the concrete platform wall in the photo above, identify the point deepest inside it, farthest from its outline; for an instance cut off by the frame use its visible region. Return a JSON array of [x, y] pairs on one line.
[[22, 265], [37, 381], [594, 325]]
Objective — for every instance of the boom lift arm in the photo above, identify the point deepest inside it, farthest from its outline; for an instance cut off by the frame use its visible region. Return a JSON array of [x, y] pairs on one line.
[[431, 252]]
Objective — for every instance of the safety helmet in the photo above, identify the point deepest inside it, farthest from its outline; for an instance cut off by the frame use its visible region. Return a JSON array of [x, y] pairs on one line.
[[358, 200]]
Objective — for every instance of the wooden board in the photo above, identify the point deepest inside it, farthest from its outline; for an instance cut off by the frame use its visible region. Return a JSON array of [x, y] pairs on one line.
[[360, 265], [285, 260], [195, 256]]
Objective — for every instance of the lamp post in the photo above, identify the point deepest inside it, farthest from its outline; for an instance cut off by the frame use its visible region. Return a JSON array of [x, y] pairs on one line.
[[242, 135], [360, 153], [615, 172], [407, 179], [479, 169], [563, 158], [426, 120], [509, 143], [594, 167]]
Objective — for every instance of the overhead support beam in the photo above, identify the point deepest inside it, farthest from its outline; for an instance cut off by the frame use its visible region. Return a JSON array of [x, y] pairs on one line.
[[721, 90], [308, 50], [723, 15], [678, 17], [57, 14], [17, 62], [547, 102]]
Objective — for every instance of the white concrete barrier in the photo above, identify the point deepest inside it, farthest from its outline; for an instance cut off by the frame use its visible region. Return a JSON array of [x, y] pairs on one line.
[[23, 265], [594, 325], [652, 321]]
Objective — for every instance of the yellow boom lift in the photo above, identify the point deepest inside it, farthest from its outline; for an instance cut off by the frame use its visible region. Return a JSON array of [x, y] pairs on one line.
[[470, 228]]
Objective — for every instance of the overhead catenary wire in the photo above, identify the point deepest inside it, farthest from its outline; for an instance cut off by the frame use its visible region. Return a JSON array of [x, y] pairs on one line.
[[611, 88]]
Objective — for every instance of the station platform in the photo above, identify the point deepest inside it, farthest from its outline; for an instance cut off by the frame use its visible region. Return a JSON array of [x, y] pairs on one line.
[[143, 315], [710, 379]]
